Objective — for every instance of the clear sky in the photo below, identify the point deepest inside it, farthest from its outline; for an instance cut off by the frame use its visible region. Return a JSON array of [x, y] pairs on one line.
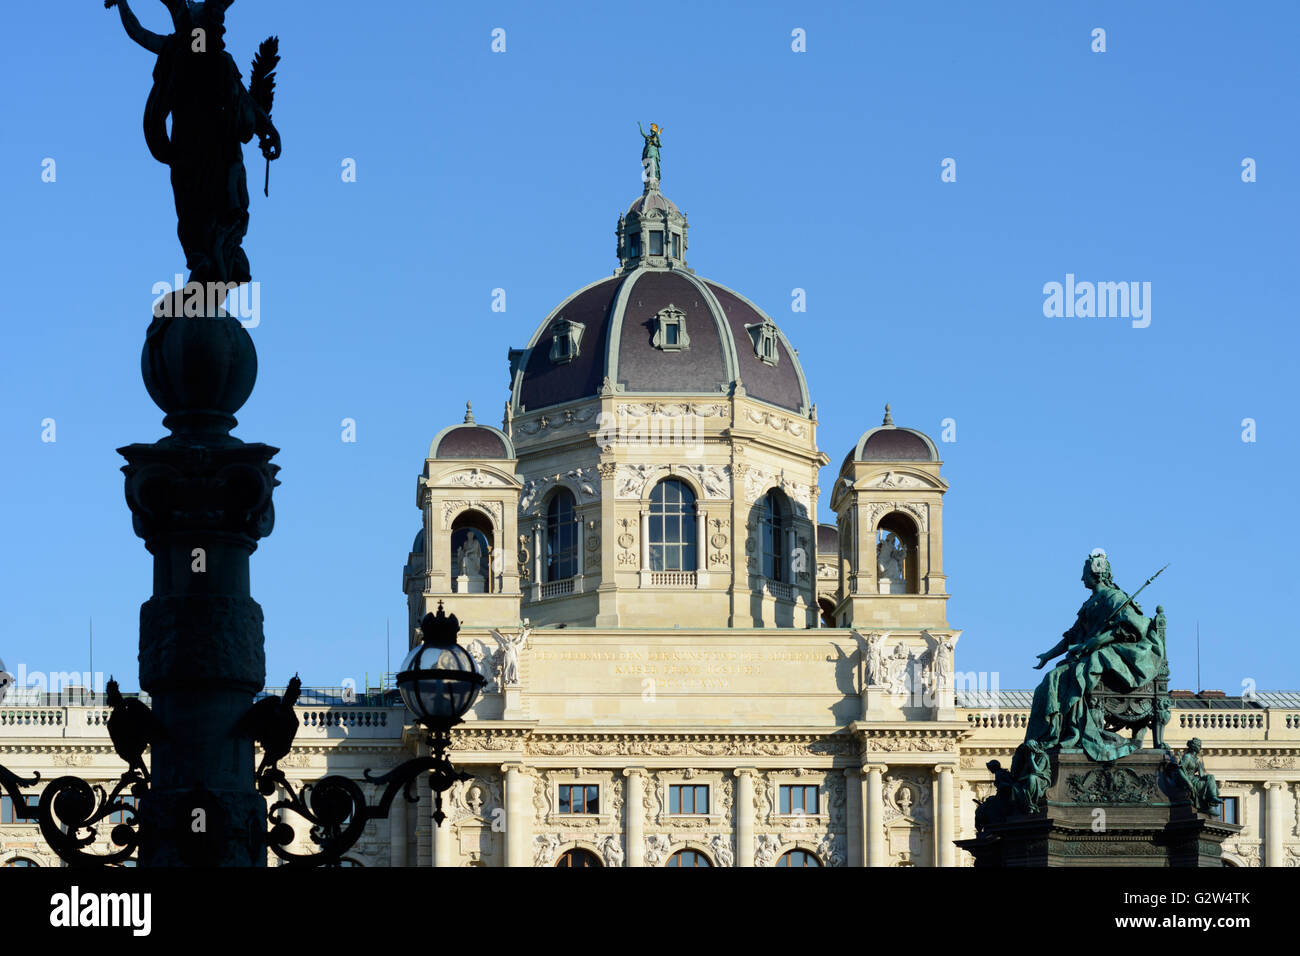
[[818, 170]]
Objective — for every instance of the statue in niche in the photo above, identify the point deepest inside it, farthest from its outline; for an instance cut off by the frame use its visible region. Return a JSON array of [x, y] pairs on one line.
[[890, 555]]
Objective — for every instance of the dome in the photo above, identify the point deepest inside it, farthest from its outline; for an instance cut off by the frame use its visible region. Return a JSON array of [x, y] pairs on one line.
[[889, 442], [471, 440], [418, 544], [655, 326], [828, 539]]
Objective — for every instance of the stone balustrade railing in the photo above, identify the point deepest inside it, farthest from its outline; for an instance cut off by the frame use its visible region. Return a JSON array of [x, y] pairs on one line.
[[315, 722]]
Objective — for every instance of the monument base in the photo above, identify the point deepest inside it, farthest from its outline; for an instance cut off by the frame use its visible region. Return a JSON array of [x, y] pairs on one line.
[[1126, 813]]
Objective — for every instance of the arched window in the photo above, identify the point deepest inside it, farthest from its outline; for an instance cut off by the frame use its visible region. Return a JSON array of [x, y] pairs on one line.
[[672, 527], [897, 555], [471, 548], [774, 525], [688, 858], [798, 858], [561, 537], [578, 857]]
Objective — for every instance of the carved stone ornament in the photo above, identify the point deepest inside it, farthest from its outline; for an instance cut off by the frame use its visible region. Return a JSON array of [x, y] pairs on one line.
[[585, 480], [656, 849], [918, 510], [452, 508], [766, 850], [1110, 785], [556, 421], [474, 478]]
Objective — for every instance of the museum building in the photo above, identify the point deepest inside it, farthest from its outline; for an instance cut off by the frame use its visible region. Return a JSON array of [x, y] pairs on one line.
[[684, 667]]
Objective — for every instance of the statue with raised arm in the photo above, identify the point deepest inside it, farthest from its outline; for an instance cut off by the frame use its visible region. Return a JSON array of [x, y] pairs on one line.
[[1110, 640], [196, 83], [650, 152]]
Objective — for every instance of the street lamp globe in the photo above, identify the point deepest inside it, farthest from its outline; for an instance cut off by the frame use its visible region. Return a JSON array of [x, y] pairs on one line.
[[438, 680]]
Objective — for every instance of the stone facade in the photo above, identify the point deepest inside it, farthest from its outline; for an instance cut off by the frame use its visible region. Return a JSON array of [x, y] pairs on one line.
[[675, 648]]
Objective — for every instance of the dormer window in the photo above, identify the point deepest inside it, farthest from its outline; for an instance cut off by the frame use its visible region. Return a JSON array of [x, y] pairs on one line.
[[677, 246], [670, 330], [764, 337], [656, 242], [565, 338], [634, 246]]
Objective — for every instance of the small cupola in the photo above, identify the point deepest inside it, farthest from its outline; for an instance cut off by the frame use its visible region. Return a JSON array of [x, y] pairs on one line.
[[652, 233]]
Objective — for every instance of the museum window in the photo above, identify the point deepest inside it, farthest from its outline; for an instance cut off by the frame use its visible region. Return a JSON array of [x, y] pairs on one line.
[[897, 555], [672, 526], [579, 798], [688, 798], [9, 810], [798, 858], [1229, 811], [798, 798], [670, 330], [656, 242], [21, 862], [774, 525], [578, 857], [561, 537], [566, 337], [123, 816], [688, 858]]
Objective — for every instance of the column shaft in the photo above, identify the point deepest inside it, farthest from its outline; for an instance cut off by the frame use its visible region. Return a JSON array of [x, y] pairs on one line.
[[745, 817], [875, 836], [943, 827], [634, 808]]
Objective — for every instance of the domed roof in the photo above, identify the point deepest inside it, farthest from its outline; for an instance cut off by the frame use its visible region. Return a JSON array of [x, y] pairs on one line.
[[619, 319], [828, 539], [889, 442], [418, 544], [655, 326], [471, 440]]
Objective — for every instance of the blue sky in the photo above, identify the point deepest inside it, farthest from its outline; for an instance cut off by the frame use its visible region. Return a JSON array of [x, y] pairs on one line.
[[817, 170]]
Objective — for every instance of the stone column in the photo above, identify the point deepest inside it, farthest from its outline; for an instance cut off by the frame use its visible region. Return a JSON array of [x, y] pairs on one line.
[[634, 810], [875, 836], [1274, 853], [397, 833], [701, 541], [853, 815], [516, 810], [943, 826], [423, 827], [745, 816], [645, 540], [442, 842], [582, 545], [201, 499]]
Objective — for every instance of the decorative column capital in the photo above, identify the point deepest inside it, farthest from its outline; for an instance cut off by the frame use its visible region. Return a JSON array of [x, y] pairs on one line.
[[875, 768], [637, 771], [941, 768], [751, 772]]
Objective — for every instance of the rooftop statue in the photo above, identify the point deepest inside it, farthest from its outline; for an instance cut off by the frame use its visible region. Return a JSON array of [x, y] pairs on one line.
[[196, 82], [650, 152], [1189, 770]]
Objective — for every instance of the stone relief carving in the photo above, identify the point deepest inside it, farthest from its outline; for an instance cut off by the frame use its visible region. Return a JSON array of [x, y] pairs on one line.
[[656, 849], [892, 479], [898, 668], [611, 850], [673, 409], [1274, 763], [906, 797], [585, 479], [491, 508], [474, 478], [547, 847], [831, 850], [479, 797], [766, 849], [778, 423], [918, 510], [629, 480], [720, 846], [557, 421]]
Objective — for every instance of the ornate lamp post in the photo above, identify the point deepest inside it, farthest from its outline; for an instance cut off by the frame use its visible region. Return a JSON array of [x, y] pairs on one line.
[[438, 683]]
